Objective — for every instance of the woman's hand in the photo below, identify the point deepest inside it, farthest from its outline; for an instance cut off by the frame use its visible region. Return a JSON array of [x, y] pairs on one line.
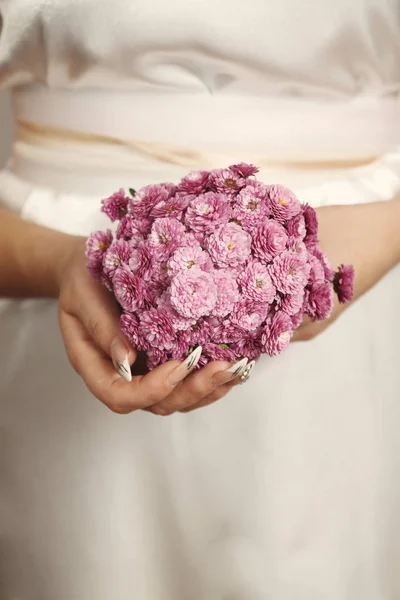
[[89, 320], [364, 235]]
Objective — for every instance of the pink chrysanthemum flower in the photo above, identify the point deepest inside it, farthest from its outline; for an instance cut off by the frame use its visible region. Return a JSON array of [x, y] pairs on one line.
[[200, 238], [289, 273], [230, 245], [155, 357], [188, 257], [207, 212], [173, 207], [118, 254], [165, 237], [124, 229], [225, 332], [227, 292], [283, 202], [133, 230], [256, 283], [258, 189], [311, 219], [249, 315], [130, 326], [189, 239], [343, 283], [140, 261], [97, 245], [296, 227], [269, 240], [180, 348], [156, 327], [248, 345], [319, 301], [160, 274], [198, 334], [193, 293], [328, 269], [194, 183], [277, 333], [311, 243], [180, 323], [249, 210], [297, 319], [298, 247], [218, 352], [116, 206], [225, 181], [244, 170], [292, 304], [147, 197], [317, 271], [107, 282], [95, 268], [128, 289]]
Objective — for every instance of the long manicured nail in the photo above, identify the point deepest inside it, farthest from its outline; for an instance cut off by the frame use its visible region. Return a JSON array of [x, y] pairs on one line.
[[119, 356], [185, 367], [229, 374]]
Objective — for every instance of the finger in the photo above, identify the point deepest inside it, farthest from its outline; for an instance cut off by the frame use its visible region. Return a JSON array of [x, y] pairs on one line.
[[194, 388], [100, 315], [102, 380], [216, 395], [223, 390]]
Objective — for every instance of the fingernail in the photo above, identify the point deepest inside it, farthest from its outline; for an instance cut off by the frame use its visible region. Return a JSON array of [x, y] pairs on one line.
[[229, 374], [119, 356], [185, 367]]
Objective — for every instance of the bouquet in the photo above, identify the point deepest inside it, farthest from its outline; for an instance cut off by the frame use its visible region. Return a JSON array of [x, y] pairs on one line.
[[221, 260]]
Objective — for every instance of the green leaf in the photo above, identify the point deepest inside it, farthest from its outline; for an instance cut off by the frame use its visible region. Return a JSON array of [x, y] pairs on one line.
[[132, 192]]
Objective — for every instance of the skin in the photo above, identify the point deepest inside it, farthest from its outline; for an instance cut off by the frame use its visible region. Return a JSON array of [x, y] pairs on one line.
[[40, 262]]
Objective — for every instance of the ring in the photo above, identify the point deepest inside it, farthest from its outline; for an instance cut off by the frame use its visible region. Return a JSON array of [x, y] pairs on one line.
[[245, 376], [247, 372]]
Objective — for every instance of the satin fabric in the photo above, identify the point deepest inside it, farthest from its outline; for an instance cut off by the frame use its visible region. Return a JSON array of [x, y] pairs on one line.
[[287, 489], [327, 50], [287, 80]]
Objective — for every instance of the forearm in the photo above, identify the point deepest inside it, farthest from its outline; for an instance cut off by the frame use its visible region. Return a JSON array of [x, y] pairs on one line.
[[31, 257], [366, 236]]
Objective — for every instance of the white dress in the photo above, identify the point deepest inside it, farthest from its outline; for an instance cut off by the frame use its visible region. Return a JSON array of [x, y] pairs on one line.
[[288, 489]]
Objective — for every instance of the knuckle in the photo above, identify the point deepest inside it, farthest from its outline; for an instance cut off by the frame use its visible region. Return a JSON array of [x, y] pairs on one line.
[[118, 408], [94, 327], [175, 403], [156, 393], [161, 411], [198, 387], [74, 360], [113, 401]]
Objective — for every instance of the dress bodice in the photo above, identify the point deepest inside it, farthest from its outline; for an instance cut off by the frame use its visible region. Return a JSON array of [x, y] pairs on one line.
[[291, 48]]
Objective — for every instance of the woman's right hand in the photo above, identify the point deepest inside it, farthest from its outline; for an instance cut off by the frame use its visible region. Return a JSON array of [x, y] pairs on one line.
[[96, 347]]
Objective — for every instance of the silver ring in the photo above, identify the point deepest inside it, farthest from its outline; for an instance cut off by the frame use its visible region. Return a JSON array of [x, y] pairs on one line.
[[245, 376]]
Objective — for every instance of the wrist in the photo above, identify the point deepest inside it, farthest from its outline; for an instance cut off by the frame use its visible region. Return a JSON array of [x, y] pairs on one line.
[[65, 248]]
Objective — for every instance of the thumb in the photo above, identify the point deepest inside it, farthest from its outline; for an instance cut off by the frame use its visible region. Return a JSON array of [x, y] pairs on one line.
[[100, 316]]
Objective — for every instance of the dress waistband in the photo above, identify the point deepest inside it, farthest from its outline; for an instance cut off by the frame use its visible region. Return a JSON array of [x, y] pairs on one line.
[[276, 129]]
